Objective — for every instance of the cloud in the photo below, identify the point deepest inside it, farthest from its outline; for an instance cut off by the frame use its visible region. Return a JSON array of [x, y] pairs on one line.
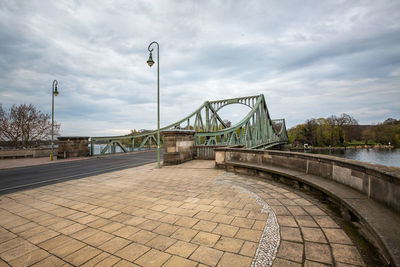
[[310, 60]]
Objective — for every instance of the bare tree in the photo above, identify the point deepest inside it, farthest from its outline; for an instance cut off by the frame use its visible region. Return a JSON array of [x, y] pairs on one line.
[[24, 125]]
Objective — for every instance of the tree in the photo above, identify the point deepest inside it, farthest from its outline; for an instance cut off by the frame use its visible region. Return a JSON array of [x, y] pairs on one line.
[[23, 126]]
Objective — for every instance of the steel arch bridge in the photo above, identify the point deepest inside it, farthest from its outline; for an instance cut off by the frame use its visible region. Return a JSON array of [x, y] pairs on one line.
[[255, 131]]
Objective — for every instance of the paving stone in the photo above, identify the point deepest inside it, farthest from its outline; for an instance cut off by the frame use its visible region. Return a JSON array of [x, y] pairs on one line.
[[170, 218], [85, 233], [17, 251], [229, 259], [291, 234], [296, 210], [313, 235], [309, 263], [111, 227], [226, 230], [135, 221], [337, 236], [98, 238], [43, 236], [124, 263], [206, 226], [281, 210], [291, 251], [98, 223], [206, 239], [114, 244], [30, 258], [249, 248], [132, 251], [161, 242], [166, 229], [259, 225], [278, 262], [313, 210], [126, 231], [318, 252], [32, 232], [206, 255], [17, 229], [205, 215], [220, 210], [184, 234], [347, 254], [229, 244], [11, 244], [257, 215], [220, 218], [153, 258], [181, 248], [73, 228], [238, 213], [99, 258], [83, 255], [142, 236], [243, 222], [87, 219], [55, 242], [186, 222], [175, 261], [250, 235], [49, 261], [287, 221], [109, 261], [67, 248]]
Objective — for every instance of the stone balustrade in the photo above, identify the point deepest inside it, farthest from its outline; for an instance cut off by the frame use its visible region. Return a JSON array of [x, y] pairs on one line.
[[378, 182]]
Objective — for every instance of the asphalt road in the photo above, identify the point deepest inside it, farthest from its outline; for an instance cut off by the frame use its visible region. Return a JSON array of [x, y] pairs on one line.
[[12, 180]]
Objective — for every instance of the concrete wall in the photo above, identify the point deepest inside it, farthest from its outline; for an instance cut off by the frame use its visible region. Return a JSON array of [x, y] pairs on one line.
[[378, 182], [25, 153], [72, 146], [178, 146]]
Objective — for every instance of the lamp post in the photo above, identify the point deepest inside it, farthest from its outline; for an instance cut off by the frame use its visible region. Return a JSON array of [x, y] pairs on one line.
[[54, 92], [150, 62]]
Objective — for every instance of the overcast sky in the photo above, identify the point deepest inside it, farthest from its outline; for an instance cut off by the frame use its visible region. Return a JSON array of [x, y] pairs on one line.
[[310, 59]]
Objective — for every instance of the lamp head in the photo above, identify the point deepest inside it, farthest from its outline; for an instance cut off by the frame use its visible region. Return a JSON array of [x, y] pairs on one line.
[[150, 61], [55, 91]]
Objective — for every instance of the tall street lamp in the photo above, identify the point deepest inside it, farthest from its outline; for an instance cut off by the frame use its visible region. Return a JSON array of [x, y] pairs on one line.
[[54, 92], [150, 62]]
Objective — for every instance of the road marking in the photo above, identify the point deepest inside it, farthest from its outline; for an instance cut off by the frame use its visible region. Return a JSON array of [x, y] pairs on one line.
[[70, 176]]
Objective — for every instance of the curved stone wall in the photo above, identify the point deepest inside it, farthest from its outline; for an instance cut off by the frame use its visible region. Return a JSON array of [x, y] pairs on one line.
[[378, 182]]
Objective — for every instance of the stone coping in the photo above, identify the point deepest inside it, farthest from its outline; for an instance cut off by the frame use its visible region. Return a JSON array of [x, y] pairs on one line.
[[73, 137], [368, 167]]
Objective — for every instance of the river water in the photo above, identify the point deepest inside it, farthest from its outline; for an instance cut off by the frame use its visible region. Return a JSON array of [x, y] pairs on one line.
[[388, 157]]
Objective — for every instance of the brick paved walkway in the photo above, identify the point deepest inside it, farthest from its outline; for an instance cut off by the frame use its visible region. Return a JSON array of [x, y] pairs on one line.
[[186, 215]]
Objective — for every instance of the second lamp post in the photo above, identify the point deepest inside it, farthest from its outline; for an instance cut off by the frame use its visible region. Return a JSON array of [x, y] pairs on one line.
[[150, 62], [54, 92]]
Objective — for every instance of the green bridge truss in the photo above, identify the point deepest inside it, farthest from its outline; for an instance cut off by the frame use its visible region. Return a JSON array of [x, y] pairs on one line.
[[256, 130]]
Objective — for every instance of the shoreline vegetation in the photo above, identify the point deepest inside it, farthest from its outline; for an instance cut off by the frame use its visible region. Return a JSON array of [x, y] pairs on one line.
[[327, 148], [344, 131]]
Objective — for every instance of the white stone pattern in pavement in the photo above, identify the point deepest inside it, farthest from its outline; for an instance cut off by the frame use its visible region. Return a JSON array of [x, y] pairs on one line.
[[270, 239]]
